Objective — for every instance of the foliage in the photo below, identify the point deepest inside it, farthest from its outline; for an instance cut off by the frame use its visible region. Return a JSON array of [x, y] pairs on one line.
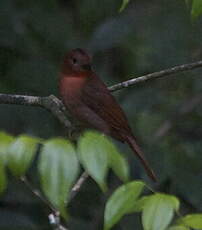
[[158, 211], [121, 201], [98, 154], [58, 165], [124, 4], [193, 221], [196, 9], [58, 169]]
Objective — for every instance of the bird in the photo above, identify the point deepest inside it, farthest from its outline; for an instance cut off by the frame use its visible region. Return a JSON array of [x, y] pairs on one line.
[[89, 101]]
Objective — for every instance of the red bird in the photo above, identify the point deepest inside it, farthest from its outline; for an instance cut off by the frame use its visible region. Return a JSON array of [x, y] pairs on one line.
[[88, 100]]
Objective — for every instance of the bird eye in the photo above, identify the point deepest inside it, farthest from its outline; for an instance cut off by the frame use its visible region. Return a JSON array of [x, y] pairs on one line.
[[74, 60]]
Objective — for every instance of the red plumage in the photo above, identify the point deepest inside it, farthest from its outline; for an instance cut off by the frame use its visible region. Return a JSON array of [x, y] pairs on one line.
[[88, 100]]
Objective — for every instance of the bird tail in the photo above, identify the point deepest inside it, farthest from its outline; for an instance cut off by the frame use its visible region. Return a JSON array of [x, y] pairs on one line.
[[136, 149]]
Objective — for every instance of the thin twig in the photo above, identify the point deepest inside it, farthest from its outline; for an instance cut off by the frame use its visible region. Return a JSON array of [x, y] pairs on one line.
[[84, 176], [38, 194], [55, 222], [54, 216], [162, 73]]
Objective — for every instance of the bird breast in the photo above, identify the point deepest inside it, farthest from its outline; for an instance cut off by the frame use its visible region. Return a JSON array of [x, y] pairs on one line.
[[71, 87]]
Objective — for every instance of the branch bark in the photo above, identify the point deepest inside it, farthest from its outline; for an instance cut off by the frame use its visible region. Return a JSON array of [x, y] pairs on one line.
[[84, 176], [162, 73], [56, 107], [50, 103], [54, 216]]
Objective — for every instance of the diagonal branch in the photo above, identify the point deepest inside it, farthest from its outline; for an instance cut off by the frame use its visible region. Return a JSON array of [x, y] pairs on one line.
[[162, 73], [54, 216], [84, 176], [56, 107]]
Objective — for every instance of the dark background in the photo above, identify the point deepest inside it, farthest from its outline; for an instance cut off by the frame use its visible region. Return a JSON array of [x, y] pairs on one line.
[[165, 114]]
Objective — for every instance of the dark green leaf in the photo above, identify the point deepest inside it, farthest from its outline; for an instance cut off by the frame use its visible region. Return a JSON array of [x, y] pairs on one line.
[[93, 151], [192, 221], [124, 4], [117, 162], [5, 141], [58, 168], [3, 179], [139, 204], [120, 166], [158, 211], [20, 154], [196, 9], [121, 202]]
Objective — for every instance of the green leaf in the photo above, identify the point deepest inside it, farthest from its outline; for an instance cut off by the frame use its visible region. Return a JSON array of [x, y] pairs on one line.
[[124, 4], [20, 154], [178, 227], [3, 178], [117, 162], [121, 202], [93, 152], [139, 204], [120, 166], [58, 168], [196, 9], [192, 221], [5, 141], [158, 211]]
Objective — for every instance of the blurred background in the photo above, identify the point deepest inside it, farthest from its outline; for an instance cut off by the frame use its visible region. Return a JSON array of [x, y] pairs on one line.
[[165, 114]]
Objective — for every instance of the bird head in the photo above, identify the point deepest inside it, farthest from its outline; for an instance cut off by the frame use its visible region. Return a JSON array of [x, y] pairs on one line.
[[77, 60]]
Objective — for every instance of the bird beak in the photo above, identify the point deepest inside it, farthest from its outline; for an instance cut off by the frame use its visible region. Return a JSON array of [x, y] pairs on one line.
[[87, 67]]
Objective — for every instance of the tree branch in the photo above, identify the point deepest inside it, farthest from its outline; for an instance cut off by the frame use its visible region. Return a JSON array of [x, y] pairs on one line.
[[56, 107], [54, 220], [50, 103], [162, 73], [84, 176], [37, 194], [54, 216]]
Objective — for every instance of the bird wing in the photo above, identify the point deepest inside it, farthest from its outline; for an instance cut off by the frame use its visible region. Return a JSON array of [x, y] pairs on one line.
[[98, 98]]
